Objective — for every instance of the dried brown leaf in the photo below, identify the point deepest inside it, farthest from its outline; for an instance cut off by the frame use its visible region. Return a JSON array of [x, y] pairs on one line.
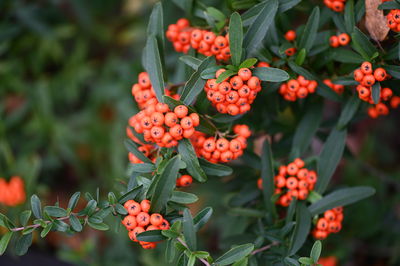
[[375, 20]]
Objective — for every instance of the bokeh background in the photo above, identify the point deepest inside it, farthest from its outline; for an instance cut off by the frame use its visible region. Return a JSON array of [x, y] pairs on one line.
[[66, 69]]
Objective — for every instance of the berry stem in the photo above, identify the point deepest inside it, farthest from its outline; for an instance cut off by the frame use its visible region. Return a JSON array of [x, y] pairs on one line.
[[265, 248], [37, 225], [184, 244]]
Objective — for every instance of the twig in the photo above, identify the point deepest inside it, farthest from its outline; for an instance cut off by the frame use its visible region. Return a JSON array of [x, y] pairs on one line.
[[36, 225], [264, 248], [184, 244]]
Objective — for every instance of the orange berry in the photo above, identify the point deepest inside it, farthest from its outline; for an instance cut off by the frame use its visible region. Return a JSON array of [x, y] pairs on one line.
[[299, 162], [366, 68], [224, 87], [226, 156], [170, 119], [290, 51], [358, 75], [334, 41], [222, 144], [209, 145], [329, 215], [320, 235], [236, 82], [292, 169], [185, 180], [232, 109], [303, 194], [337, 6], [186, 123], [129, 222], [188, 133], [132, 234], [343, 39], [164, 225], [176, 132], [195, 118], [291, 183], [145, 205], [334, 227], [382, 109], [156, 219], [157, 132], [134, 208], [380, 74], [259, 183], [293, 85], [245, 74], [253, 82], [372, 112], [280, 181], [143, 219], [322, 224], [368, 80], [221, 42], [144, 80], [290, 35], [302, 93], [386, 94], [312, 177], [152, 227], [181, 111]]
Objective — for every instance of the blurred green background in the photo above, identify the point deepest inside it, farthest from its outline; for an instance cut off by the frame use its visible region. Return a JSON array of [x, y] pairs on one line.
[[66, 69]]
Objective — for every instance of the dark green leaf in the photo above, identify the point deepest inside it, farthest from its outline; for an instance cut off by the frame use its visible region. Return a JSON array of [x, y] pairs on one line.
[[270, 74], [195, 83], [249, 62], [5, 239], [75, 223], [316, 251], [376, 92], [267, 175], [189, 156], [154, 67], [46, 230], [99, 226], [156, 25], [60, 226], [389, 5], [170, 251], [130, 195], [394, 71], [215, 13], [340, 197], [362, 45], [260, 25], [142, 167], [349, 19], [183, 197], [346, 56], [36, 206], [236, 38], [209, 73], [307, 38], [165, 184], [24, 217], [329, 158], [188, 230], [120, 209], [226, 74], [55, 211], [151, 236], [23, 243], [301, 230], [191, 61], [73, 201], [234, 254], [202, 218], [306, 261], [214, 169], [5, 222], [349, 110]]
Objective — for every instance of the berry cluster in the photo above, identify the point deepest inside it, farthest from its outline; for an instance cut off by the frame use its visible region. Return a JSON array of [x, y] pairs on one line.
[[290, 36], [342, 39], [162, 126], [381, 108], [297, 88], [13, 192], [393, 20], [293, 181], [139, 220], [205, 42], [330, 223], [367, 76], [184, 181], [235, 94], [220, 149], [143, 91], [338, 88], [335, 5]]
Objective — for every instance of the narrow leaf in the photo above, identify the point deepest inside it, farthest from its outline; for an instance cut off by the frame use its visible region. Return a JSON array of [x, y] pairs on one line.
[[188, 230], [186, 150], [236, 38], [271, 74], [154, 67], [307, 38], [234, 254], [301, 230]]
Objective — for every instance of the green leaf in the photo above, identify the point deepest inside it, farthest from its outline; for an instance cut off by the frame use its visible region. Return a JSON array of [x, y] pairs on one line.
[[191, 61], [260, 25], [389, 5], [151, 236], [394, 71], [215, 13], [5, 239], [202, 218], [170, 251], [349, 110], [73, 201], [183, 197], [134, 149], [5, 222], [301, 56], [307, 38], [267, 175], [249, 62], [165, 184], [376, 92], [316, 251], [170, 233], [60, 226], [55, 211], [215, 169], [243, 262], [270, 74], [188, 230], [306, 261], [130, 194], [36, 206], [209, 73], [329, 158], [195, 83], [75, 223], [346, 56], [23, 243], [90, 208], [301, 230], [192, 260], [142, 167], [290, 261], [99, 226], [226, 74], [156, 25], [120, 209], [186, 150], [362, 45], [46, 230], [234, 254], [340, 197], [24, 217], [349, 18], [154, 67], [236, 38], [306, 129]]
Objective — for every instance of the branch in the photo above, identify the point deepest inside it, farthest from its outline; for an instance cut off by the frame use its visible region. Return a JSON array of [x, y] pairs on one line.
[[184, 244], [264, 248]]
